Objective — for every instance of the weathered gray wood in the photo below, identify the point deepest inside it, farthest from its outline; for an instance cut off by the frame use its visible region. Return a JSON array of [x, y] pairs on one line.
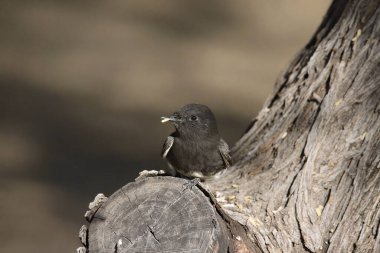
[[310, 163], [81, 249], [158, 214], [83, 232], [306, 175], [94, 206]]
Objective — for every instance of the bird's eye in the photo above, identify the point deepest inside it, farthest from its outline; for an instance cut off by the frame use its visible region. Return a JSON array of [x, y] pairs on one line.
[[193, 117]]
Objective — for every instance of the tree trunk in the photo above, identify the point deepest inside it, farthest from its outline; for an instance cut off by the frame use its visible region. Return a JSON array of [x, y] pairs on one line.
[[306, 174]]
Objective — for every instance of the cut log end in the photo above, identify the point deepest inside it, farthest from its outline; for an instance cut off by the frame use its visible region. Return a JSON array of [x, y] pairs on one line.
[[158, 214]]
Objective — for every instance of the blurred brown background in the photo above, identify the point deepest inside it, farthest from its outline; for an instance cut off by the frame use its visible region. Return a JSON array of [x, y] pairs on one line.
[[83, 84]]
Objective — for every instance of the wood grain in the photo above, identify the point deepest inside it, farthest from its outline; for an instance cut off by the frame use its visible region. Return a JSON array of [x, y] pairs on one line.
[[306, 174], [157, 214]]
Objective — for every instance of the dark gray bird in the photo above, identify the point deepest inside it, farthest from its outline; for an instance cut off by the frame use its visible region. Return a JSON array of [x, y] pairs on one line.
[[195, 149]]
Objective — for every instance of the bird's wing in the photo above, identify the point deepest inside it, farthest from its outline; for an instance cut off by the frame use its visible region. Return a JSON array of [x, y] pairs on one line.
[[224, 151], [167, 145]]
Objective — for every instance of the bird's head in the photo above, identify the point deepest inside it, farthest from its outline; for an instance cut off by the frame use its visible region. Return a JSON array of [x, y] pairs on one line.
[[193, 121]]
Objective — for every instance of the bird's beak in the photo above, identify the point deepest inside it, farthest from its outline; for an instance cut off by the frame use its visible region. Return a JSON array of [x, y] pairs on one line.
[[170, 118]]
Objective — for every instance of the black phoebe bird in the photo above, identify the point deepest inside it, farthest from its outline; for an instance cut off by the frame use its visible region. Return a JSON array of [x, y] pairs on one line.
[[195, 149]]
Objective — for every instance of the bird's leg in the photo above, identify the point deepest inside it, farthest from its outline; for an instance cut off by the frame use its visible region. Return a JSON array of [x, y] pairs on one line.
[[170, 171]]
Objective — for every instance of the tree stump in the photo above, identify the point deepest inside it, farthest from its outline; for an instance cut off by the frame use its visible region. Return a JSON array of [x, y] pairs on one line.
[[306, 174], [158, 214]]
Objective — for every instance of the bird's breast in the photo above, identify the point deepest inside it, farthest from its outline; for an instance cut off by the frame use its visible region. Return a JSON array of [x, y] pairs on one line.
[[189, 157]]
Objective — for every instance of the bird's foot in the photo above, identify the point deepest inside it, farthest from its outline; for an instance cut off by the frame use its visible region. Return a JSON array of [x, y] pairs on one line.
[[191, 183]]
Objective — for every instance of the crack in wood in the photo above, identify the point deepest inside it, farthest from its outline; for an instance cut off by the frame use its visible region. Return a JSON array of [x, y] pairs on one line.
[[303, 241], [288, 194], [153, 234]]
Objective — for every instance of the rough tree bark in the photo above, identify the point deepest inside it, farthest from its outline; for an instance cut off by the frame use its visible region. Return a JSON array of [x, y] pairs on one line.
[[306, 174]]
